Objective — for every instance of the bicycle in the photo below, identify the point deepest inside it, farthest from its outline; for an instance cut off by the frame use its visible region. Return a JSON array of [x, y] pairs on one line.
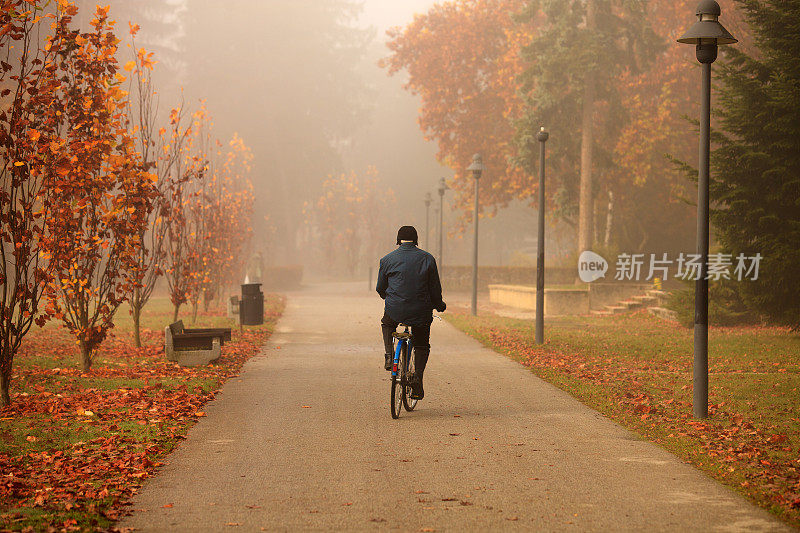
[[402, 367]]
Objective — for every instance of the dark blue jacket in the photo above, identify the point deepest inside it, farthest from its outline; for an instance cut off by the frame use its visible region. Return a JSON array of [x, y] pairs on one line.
[[409, 282]]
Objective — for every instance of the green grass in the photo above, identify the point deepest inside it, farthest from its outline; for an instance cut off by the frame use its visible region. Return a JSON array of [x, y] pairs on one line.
[[47, 436]]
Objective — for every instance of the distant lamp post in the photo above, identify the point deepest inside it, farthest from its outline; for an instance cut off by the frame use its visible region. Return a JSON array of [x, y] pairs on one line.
[[542, 137], [428, 201], [477, 169], [706, 34], [442, 189]]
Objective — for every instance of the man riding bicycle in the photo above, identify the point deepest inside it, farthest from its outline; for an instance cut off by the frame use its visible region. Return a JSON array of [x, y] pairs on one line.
[[409, 282]]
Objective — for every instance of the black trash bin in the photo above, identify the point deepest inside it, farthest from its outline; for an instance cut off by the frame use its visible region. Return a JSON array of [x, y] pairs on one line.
[[251, 306]]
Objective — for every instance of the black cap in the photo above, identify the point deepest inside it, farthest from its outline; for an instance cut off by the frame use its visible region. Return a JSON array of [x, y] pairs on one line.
[[407, 233]]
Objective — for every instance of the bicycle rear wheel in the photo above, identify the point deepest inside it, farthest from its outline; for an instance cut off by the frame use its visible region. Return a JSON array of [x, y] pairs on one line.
[[408, 403], [398, 389]]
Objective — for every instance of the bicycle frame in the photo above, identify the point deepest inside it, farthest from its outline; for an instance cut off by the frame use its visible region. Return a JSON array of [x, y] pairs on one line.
[[397, 350]]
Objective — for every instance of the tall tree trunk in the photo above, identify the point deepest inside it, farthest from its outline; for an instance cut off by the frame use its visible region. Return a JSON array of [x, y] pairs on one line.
[[5, 388], [137, 337], [6, 362], [136, 312], [194, 311], [609, 219], [586, 213], [86, 357], [175, 312]]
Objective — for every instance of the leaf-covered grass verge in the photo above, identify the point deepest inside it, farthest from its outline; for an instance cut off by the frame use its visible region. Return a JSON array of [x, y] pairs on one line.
[[74, 447], [636, 369]]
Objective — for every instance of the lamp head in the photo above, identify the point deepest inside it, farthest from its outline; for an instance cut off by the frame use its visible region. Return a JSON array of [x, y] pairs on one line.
[[442, 186], [707, 33], [543, 135], [476, 167]]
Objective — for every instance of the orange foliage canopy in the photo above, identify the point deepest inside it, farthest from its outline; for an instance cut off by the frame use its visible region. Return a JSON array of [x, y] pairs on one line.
[[462, 59], [28, 82], [658, 102], [102, 195], [228, 213], [350, 217]]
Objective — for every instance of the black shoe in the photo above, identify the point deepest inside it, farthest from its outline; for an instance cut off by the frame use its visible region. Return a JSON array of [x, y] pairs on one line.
[[417, 392], [387, 364]]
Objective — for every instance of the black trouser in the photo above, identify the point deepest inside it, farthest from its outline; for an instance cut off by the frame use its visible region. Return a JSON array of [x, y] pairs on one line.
[[421, 341]]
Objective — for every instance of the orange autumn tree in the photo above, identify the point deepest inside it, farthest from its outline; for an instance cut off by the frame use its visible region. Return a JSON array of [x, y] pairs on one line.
[[349, 217], [197, 208], [186, 166], [101, 194], [143, 110], [29, 151], [647, 188], [485, 76], [241, 197], [230, 219], [462, 59]]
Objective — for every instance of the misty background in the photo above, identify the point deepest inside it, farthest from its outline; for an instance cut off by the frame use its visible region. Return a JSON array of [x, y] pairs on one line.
[[299, 81]]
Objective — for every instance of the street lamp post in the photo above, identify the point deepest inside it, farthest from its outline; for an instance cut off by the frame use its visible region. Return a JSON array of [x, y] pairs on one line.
[[542, 137], [706, 34], [442, 188], [477, 169], [428, 201]]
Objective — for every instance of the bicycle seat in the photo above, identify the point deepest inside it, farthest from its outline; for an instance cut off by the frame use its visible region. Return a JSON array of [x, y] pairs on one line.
[[401, 335]]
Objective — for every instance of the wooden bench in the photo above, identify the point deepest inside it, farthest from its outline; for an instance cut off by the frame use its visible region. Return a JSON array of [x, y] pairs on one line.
[[194, 347]]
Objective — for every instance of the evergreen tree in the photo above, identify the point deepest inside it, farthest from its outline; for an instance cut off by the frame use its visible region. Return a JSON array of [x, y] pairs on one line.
[[578, 52], [756, 179]]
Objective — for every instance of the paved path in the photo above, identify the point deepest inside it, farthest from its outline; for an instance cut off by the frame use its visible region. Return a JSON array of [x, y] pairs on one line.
[[490, 448]]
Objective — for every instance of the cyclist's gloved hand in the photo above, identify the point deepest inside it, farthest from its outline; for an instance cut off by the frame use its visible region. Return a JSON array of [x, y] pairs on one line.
[[442, 307]]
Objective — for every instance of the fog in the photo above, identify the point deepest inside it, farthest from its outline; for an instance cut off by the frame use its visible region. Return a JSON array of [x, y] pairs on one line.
[[299, 81]]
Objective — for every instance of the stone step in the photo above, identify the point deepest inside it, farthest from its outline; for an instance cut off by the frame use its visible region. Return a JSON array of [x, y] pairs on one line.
[[651, 298], [662, 312], [630, 304], [657, 294]]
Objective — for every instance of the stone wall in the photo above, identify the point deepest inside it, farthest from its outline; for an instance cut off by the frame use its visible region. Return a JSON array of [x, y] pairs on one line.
[[459, 278], [578, 301], [557, 302]]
